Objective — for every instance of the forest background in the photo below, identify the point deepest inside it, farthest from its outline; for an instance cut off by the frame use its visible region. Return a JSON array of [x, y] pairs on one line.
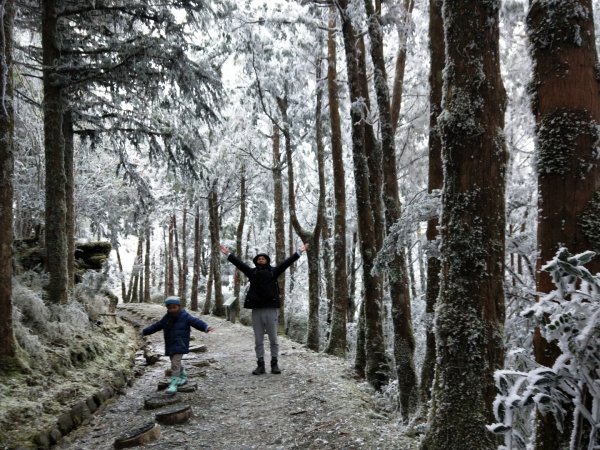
[[166, 131]]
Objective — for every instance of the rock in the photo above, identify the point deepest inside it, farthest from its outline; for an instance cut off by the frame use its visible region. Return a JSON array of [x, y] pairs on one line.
[[204, 363], [137, 436], [174, 415]]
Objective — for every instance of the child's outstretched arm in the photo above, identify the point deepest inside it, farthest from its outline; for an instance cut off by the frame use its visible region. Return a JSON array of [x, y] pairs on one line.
[[156, 326], [199, 324]]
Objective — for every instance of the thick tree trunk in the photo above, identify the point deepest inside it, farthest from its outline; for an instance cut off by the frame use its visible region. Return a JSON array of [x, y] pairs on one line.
[[404, 342], [213, 214], [54, 144], [436, 51], [470, 314], [376, 363], [360, 360], [7, 165], [196, 266], [567, 112], [278, 219], [70, 195], [337, 338]]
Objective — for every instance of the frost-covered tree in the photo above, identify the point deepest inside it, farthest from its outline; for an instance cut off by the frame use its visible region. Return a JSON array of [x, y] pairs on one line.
[[397, 273], [435, 180], [469, 316], [7, 162], [566, 106], [370, 237]]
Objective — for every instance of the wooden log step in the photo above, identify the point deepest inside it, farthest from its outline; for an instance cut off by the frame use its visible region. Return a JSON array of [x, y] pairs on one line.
[[160, 401], [174, 415], [188, 387], [137, 436], [163, 384]]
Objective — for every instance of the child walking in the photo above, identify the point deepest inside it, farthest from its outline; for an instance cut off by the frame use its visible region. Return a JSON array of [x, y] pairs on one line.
[[176, 329]]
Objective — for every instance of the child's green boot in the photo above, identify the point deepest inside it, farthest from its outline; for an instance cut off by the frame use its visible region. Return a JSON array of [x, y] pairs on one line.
[[172, 389], [182, 378]]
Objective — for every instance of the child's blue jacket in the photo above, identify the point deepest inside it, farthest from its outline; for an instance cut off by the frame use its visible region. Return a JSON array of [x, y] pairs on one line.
[[176, 330]]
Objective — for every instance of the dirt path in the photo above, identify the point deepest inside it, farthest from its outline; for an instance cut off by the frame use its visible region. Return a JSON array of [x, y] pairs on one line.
[[313, 404]]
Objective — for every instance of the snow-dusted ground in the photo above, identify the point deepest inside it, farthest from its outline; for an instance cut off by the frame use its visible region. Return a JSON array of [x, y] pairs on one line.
[[315, 403]]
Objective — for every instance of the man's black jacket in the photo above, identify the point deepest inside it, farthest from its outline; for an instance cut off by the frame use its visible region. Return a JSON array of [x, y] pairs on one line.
[[263, 291]]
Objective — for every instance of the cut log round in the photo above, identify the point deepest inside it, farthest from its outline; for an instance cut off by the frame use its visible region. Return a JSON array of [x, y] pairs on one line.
[[137, 436], [189, 387], [160, 401], [174, 415]]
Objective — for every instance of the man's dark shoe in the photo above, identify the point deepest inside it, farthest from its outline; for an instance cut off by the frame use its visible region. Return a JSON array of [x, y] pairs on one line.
[[260, 367], [274, 366]]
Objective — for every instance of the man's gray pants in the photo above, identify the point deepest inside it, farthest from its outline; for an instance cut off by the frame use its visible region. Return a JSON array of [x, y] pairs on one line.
[[264, 320]]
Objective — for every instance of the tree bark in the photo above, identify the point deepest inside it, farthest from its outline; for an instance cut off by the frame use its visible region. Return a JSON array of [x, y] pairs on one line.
[[239, 235], [213, 214], [404, 342], [184, 263], [147, 271], [54, 144], [278, 219], [170, 286], [566, 106], [209, 287], [7, 170], [435, 180], [123, 285], [70, 195], [313, 237], [337, 338], [196, 266], [470, 313], [376, 363], [403, 29]]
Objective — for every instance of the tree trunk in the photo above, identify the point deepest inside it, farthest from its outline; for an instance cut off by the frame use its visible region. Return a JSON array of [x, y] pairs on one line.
[[239, 235], [436, 51], [209, 284], [123, 285], [337, 338], [70, 195], [352, 279], [312, 238], [135, 273], [360, 361], [184, 263], [146, 296], [177, 254], [54, 144], [196, 268], [7, 169], [278, 220], [403, 32], [470, 314], [170, 279], [566, 106], [376, 364], [404, 342], [213, 214]]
